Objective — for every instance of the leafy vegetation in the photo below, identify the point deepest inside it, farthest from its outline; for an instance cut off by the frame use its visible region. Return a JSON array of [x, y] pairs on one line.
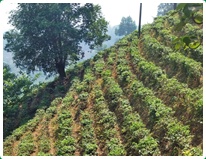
[[66, 143], [26, 146], [16, 91], [140, 97], [36, 24], [190, 12], [126, 26]]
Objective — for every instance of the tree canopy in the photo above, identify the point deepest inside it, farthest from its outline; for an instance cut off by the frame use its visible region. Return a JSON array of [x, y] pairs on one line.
[[163, 8], [47, 37], [126, 26]]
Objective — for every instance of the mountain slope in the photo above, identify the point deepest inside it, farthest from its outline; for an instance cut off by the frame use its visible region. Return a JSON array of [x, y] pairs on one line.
[[139, 97]]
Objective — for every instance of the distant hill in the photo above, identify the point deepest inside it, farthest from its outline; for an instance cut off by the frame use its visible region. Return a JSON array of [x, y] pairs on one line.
[[140, 97]]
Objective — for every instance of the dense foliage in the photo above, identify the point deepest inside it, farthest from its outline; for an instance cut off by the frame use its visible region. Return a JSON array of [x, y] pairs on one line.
[[126, 26], [191, 12], [48, 36], [16, 91]]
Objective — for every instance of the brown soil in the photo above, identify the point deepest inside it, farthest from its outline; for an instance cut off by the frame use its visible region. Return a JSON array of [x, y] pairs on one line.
[[15, 147], [76, 129], [36, 135], [52, 128]]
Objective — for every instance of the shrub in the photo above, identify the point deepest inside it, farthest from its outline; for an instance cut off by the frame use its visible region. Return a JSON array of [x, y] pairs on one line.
[[147, 146], [26, 146], [44, 145], [115, 148]]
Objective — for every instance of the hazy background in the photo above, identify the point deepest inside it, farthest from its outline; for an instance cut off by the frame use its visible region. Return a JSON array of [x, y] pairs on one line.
[[113, 12]]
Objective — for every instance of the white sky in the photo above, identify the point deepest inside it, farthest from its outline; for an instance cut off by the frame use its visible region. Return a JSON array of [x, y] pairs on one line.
[[113, 12]]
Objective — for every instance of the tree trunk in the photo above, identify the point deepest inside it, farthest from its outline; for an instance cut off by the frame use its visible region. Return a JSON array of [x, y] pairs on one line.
[[61, 70]]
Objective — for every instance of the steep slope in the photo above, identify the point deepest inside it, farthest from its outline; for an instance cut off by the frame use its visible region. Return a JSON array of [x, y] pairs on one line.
[[139, 97]]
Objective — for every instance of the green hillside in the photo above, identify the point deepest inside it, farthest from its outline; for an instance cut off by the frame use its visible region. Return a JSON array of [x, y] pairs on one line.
[[138, 97]]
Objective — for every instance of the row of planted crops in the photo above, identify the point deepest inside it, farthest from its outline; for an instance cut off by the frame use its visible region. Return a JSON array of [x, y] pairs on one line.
[[139, 97]]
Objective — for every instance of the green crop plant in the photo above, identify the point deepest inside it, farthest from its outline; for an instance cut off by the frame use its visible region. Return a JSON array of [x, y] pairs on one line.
[[26, 146]]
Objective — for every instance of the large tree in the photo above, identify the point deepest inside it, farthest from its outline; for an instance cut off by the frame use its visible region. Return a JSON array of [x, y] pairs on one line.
[[126, 26], [47, 37]]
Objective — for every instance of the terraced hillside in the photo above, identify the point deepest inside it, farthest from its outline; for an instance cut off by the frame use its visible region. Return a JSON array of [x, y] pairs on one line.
[[139, 97]]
